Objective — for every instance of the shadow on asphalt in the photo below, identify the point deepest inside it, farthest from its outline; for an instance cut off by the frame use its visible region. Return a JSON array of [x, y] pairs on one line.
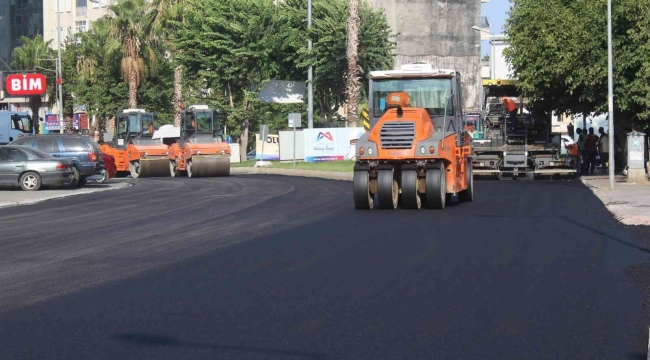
[[637, 356], [155, 340]]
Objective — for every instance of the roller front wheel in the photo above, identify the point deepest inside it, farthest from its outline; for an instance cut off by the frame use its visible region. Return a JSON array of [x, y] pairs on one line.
[[363, 198], [387, 189], [436, 188], [410, 196]]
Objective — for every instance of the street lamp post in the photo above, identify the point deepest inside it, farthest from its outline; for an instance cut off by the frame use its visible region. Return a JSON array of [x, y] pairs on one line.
[[310, 94], [610, 105], [58, 65]]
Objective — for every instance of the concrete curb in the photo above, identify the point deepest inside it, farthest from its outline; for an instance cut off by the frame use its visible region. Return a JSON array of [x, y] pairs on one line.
[[329, 175]]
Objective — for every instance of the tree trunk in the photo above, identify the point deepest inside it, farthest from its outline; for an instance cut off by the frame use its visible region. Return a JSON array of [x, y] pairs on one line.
[[133, 89], [352, 83], [178, 94], [244, 135], [35, 105]]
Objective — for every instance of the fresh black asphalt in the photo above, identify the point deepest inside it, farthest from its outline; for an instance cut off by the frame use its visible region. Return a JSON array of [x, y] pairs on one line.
[[264, 267]]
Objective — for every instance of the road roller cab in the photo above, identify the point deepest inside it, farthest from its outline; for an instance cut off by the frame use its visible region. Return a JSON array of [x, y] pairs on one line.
[[129, 125], [417, 152], [200, 150], [132, 145]]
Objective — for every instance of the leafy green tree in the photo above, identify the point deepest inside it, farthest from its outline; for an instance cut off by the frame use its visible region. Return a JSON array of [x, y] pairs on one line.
[[328, 56], [166, 16], [91, 63], [226, 45], [33, 55], [560, 58]]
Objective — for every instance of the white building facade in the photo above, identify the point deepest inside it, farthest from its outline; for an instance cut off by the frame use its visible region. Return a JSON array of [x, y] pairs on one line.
[[76, 16]]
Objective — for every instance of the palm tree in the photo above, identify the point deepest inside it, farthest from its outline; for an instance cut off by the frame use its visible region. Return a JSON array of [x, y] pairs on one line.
[[31, 56], [97, 49], [130, 26], [166, 14], [352, 83]]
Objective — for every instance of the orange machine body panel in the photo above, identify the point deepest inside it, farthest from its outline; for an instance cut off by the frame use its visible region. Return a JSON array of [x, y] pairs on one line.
[[135, 152], [182, 154], [120, 156], [453, 156]]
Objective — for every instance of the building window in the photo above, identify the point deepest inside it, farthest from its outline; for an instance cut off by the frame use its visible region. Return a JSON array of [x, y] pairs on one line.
[[98, 3], [81, 26]]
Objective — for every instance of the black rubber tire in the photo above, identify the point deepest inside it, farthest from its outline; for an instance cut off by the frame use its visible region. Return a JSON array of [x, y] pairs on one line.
[[410, 197], [82, 181], [467, 195], [387, 190], [104, 177], [363, 199], [75, 180], [436, 187], [30, 181]]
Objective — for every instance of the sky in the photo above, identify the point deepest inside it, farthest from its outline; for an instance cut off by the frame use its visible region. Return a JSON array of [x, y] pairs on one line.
[[496, 11]]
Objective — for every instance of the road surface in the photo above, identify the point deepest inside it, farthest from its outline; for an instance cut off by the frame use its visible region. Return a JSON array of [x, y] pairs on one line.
[[267, 267]]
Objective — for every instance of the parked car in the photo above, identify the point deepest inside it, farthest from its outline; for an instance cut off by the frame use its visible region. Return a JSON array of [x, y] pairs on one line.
[[87, 156], [251, 155], [32, 168]]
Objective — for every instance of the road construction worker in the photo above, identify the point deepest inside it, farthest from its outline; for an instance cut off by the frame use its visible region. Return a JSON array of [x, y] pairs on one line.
[[603, 147], [592, 151], [511, 108]]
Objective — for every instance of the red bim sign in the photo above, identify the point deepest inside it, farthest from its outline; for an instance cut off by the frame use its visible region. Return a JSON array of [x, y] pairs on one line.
[[25, 84]]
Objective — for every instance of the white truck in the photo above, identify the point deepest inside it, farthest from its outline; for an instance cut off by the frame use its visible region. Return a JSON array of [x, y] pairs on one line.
[[14, 125]]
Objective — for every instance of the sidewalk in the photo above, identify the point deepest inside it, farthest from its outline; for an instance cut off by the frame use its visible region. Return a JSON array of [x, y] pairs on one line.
[[13, 197], [630, 203]]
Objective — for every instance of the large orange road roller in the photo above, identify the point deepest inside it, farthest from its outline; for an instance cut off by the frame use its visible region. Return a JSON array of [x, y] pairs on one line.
[[133, 148], [200, 151], [417, 152]]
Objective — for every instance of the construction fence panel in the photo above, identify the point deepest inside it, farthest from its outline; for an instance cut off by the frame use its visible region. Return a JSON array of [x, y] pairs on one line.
[[286, 145]]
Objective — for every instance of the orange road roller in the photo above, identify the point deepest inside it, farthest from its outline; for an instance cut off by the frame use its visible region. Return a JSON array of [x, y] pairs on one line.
[[417, 153]]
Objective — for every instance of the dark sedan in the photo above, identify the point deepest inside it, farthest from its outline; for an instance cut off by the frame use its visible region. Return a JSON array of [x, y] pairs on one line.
[[32, 168]]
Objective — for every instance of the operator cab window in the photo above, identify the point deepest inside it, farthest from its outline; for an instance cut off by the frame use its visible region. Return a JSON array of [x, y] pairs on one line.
[[434, 95], [147, 125]]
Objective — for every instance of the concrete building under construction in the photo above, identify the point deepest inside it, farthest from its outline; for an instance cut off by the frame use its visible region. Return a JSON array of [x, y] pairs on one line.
[[439, 32]]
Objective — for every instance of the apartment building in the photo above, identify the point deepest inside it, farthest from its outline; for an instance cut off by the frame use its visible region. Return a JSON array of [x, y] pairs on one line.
[[18, 18], [76, 16]]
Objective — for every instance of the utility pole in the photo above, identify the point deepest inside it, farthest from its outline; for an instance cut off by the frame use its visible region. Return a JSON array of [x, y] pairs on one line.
[[59, 77], [610, 80], [310, 95]]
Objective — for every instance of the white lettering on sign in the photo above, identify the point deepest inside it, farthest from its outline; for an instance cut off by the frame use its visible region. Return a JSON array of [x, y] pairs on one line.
[[35, 84], [15, 85]]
